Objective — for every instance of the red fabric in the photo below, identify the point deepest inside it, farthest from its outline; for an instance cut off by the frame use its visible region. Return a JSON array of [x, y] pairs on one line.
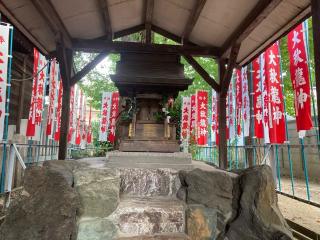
[[202, 117], [300, 78], [238, 99], [276, 107], [71, 130], [52, 97], [58, 115], [78, 129], [257, 99], [31, 126], [113, 116]]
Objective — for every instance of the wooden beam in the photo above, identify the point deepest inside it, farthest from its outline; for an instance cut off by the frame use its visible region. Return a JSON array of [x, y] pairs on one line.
[[315, 11], [203, 73], [120, 47], [86, 69], [222, 113], [52, 18], [231, 65], [128, 31], [106, 18], [149, 5], [252, 20], [194, 16]]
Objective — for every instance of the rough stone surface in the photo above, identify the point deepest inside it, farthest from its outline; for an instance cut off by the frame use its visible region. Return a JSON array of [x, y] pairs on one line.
[[47, 210], [213, 188], [149, 182], [98, 190], [96, 229], [147, 216], [158, 237], [201, 222], [259, 216]]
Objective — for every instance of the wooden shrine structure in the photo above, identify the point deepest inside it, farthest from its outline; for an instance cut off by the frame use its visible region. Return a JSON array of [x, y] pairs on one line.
[[232, 32]]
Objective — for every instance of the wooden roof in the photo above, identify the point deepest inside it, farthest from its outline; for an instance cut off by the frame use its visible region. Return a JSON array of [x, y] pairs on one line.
[[215, 24]]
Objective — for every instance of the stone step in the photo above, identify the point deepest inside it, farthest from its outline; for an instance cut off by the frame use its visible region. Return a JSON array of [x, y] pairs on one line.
[[151, 165], [149, 157], [149, 216], [158, 237]]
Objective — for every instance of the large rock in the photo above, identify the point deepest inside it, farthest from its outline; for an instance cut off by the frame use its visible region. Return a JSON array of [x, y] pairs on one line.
[[99, 191], [201, 222], [96, 229], [259, 216], [213, 188], [47, 210]]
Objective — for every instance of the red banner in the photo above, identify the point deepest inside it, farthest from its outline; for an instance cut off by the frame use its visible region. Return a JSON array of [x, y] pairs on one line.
[[193, 115], [202, 117], [185, 118], [276, 107], [71, 130], [31, 126], [299, 73], [58, 114], [238, 100], [53, 82], [257, 99], [214, 112], [245, 102], [89, 135], [113, 116]]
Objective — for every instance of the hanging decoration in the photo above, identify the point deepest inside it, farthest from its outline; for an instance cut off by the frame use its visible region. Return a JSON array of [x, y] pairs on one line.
[[185, 119], [113, 116], [231, 114], [58, 114], [257, 99], [245, 102], [89, 134], [202, 117], [238, 76], [275, 105], [193, 114], [71, 129], [4, 56], [299, 73], [105, 116], [265, 98], [214, 115], [79, 120]]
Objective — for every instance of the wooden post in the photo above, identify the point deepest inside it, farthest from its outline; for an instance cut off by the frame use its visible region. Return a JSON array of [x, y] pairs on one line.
[[315, 10], [222, 113], [21, 96]]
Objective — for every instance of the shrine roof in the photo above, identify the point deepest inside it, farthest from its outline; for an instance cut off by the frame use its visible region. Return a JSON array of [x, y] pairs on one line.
[[216, 23]]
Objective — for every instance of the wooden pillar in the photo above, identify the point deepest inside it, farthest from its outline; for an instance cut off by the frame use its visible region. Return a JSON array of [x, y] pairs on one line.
[[315, 10], [223, 156], [21, 95], [65, 57]]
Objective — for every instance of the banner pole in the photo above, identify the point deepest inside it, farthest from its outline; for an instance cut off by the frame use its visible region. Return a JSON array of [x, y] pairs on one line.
[[305, 167], [5, 132]]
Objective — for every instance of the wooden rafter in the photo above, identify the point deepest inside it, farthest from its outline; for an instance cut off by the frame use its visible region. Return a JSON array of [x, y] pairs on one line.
[[106, 18], [129, 31], [119, 47], [253, 19], [149, 5], [50, 15], [194, 16], [86, 69], [203, 73]]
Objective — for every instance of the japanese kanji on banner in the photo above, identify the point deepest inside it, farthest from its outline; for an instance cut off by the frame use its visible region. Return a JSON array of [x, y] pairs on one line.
[[231, 114], [113, 116], [185, 119], [4, 54], [276, 107], [257, 99], [238, 100], [72, 100], [193, 116], [53, 96], [300, 77], [265, 98], [202, 117], [245, 102], [214, 115], [105, 116], [58, 114], [38, 92]]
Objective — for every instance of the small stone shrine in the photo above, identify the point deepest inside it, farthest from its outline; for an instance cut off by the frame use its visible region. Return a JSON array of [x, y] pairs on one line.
[[148, 83]]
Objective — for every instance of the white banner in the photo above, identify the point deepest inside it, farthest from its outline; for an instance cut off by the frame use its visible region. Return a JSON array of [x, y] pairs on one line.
[[105, 116], [245, 102], [4, 51], [185, 118]]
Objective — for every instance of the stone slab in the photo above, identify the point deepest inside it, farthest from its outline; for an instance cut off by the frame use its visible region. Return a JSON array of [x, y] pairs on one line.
[[165, 146], [158, 237]]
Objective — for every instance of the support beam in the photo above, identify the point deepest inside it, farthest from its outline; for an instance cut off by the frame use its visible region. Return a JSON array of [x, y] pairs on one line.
[[86, 69], [128, 31], [195, 14], [50, 15], [222, 113], [121, 47], [106, 18], [203, 73], [253, 19], [149, 5], [64, 57], [315, 10]]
